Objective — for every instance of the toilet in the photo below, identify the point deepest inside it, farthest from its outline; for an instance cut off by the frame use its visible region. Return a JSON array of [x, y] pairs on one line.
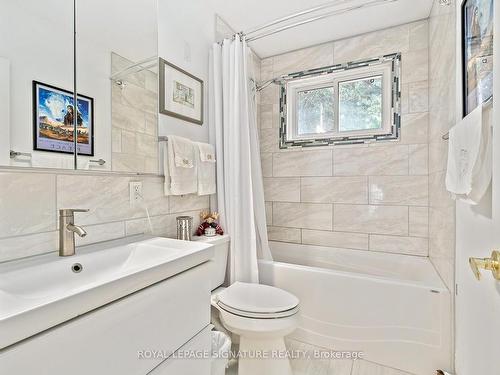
[[260, 315]]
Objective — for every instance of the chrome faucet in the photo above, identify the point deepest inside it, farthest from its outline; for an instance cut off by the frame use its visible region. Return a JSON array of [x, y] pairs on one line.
[[67, 230]]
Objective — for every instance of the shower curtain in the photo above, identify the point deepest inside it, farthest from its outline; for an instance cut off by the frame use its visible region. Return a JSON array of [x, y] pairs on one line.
[[240, 192]]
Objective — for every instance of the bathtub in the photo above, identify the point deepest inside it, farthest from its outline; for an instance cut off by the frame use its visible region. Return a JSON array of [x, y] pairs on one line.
[[394, 308]]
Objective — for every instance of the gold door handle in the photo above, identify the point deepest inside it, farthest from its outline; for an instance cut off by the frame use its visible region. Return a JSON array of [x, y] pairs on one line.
[[491, 264]]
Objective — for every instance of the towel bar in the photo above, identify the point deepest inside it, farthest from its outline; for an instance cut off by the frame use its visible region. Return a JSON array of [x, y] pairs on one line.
[[446, 136]]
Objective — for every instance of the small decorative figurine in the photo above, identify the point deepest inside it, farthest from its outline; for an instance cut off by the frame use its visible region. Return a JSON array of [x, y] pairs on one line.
[[209, 227]]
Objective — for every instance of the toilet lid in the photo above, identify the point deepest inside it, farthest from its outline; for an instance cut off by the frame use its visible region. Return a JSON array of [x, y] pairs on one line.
[[256, 300]]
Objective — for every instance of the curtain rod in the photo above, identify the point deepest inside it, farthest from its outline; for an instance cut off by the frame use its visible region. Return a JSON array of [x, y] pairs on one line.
[[294, 15], [312, 19], [487, 103]]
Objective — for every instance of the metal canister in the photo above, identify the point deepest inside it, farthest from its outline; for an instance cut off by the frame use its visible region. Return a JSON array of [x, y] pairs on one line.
[[184, 227]]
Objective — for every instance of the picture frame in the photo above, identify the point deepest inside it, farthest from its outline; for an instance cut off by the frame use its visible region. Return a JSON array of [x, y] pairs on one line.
[[477, 53], [181, 93], [53, 128]]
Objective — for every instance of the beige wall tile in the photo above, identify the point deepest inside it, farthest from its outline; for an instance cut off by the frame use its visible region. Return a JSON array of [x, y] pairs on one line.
[[128, 162], [101, 232], [281, 234], [405, 93], [415, 66], [442, 242], [419, 35], [419, 221], [371, 219], [266, 160], [270, 95], [438, 195], [282, 189], [382, 160], [419, 160], [27, 203], [303, 215], [334, 190], [396, 39], [335, 239], [339, 175], [128, 142], [266, 69], [269, 213], [147, 145], [401, 190], [269, 140], [303, 163], [116, 140], [126, 117], [266, 116], [418, 96], [191, 202], [303, 59], [102, 208], [438, 154], [415, 128], [401, 245], [442, 104], [94, 192], [28, 245]]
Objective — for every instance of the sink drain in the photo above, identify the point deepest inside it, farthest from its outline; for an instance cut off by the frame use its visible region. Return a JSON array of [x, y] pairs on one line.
[[77, 268]]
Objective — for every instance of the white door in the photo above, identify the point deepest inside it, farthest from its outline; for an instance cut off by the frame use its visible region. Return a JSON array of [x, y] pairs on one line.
[[478, 233]]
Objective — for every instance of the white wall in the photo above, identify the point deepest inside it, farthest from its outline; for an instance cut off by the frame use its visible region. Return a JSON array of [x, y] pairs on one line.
[[126, 27], [37, 38], [186, 34]]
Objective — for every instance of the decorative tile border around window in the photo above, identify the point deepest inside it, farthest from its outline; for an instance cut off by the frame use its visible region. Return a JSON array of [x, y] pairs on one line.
[[352, 103]]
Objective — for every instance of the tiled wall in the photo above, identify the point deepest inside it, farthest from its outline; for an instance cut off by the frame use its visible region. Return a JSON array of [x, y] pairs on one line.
[[366, 197], [29, 203], [134, 120], [442, 91]]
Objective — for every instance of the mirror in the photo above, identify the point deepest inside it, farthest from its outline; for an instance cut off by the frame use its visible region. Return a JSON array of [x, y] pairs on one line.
[[36, 83], [116, 70], [117, 75]]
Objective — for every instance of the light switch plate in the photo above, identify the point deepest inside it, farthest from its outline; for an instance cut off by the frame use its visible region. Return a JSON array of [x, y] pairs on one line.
[[135, 192]]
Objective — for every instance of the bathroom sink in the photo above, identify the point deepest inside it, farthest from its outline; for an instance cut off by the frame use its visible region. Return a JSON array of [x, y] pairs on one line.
[[40, 292]]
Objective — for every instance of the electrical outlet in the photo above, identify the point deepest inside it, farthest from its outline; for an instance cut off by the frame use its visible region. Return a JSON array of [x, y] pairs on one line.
[[135, 192]]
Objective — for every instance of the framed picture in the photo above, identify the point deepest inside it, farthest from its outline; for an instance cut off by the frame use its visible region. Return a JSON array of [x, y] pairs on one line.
[[181, 93], [53, 120], [477, 51]]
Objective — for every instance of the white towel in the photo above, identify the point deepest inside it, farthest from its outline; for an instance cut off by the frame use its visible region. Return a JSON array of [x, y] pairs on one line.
[[179, 166], [206, 168], [469, 170]]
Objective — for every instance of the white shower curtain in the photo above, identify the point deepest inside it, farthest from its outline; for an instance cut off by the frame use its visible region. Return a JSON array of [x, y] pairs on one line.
[[240, 192]]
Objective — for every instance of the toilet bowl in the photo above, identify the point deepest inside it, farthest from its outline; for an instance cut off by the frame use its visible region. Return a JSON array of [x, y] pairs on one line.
[[260, 315]]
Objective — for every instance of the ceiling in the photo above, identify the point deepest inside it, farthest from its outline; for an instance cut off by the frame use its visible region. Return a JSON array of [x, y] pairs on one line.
[[242, 15]]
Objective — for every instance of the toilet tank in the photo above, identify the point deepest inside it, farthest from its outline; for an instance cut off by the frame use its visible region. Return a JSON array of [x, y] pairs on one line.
[[219, 261]]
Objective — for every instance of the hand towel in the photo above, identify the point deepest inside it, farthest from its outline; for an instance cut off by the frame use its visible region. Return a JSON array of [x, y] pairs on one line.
[[206, 168], [179, 166], [469, 169]]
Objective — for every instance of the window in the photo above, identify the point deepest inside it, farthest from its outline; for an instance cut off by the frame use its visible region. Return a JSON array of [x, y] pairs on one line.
[[352, 103]]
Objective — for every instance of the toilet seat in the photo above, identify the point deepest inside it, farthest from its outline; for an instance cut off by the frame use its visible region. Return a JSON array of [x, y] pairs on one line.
[[257, 301]]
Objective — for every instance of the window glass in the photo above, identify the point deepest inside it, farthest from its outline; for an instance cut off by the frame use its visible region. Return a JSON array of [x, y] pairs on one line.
[[360, 104], [315, 111]]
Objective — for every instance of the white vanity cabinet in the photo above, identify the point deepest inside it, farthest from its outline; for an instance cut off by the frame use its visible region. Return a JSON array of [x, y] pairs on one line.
[[165, 317]]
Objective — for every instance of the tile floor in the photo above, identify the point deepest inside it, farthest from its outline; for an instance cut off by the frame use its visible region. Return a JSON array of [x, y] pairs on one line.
[[327, 366]]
